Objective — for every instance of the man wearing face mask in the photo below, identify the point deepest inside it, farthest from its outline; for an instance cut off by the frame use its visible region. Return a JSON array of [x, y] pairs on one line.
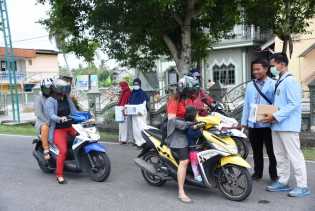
[[274, 72], [139, 121], [286, 126]]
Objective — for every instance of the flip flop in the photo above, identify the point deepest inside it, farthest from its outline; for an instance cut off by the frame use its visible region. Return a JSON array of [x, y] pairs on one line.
[[185, 200]]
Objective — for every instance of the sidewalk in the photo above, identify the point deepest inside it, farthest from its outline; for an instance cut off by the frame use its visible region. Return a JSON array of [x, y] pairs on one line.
[[24, 117]]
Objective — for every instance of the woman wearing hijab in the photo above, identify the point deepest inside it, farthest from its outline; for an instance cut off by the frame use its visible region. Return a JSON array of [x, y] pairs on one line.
[[139, 121], [123, 100]]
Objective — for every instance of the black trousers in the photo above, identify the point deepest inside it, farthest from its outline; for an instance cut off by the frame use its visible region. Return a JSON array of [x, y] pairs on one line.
[[259, 137]]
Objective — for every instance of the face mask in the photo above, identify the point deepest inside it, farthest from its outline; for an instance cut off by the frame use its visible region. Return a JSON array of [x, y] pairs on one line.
[[274, 72], [136, 87]]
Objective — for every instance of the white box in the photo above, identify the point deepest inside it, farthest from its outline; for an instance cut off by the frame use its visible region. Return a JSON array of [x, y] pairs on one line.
[[258, 112], [119, 114], [135, 109], [262, 110]]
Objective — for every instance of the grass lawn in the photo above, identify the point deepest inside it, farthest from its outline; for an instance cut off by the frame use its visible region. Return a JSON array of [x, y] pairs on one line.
[[26, 129], [309, 153], [29, 130]]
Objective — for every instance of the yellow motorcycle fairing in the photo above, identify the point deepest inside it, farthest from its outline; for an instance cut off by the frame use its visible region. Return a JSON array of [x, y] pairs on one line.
[[234, 159], [210, 121], [222, 141], [163, 151]]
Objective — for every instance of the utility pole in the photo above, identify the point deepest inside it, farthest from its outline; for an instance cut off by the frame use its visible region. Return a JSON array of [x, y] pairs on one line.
[[10, 64]]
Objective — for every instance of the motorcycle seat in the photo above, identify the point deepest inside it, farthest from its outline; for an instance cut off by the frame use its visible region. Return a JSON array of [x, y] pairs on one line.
[[156, 133]]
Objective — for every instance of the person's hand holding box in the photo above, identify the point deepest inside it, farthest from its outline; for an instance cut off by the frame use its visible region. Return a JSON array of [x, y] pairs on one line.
[[264, 113]]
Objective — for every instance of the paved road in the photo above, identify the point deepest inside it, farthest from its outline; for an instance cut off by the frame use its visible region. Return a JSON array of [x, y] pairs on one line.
[[23, 187]]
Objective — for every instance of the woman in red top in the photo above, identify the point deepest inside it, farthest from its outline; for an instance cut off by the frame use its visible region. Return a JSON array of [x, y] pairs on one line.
[[176, 137], [123, 100]]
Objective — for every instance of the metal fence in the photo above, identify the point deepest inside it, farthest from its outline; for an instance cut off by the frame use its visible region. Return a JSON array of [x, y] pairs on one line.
[[4, 77], [26, 101]]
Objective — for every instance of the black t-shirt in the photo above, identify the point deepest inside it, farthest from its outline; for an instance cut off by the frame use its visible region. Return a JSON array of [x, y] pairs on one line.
[[63, 110]]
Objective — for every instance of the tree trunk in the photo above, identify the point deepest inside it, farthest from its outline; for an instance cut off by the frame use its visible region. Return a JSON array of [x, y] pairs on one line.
[[67, 64], [285, 46], [186, 48], [183, 56]]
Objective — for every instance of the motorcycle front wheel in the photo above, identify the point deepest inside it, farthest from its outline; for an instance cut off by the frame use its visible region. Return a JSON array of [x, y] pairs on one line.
[[234, 182], [153, 159], [102, 167], [242, 147]]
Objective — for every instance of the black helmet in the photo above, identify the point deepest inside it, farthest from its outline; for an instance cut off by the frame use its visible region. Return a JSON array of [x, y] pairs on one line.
[[61, 87], [187, 84], [46, 86]]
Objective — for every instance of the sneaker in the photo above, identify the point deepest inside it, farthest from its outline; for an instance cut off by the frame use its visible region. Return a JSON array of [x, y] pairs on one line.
[[198, 179], [299, 192], [278, 187]]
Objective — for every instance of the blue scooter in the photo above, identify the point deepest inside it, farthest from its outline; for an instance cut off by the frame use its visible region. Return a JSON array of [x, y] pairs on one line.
[[85, 154]]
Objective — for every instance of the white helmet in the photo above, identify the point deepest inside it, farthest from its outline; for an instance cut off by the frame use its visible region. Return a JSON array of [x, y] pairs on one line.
[[60, 86], [46, 86]]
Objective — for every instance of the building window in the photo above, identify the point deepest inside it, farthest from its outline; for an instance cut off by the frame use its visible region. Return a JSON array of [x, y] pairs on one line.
[[3, 66], [30, 62], [225, 74]]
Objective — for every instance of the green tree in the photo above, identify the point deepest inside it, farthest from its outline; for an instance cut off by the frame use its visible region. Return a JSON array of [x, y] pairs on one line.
[[284, 17], [137, 32]]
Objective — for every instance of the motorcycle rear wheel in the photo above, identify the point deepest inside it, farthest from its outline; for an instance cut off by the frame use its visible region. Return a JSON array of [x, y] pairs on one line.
[[153, 159], [232, 178], [44, 168], [103, 168]]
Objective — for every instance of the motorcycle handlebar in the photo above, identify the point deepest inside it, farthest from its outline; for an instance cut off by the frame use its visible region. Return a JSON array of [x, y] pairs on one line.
[[199, 125]]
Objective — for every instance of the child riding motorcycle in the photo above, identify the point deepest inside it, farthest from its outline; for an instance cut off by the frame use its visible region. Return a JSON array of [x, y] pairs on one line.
[[193, 134]]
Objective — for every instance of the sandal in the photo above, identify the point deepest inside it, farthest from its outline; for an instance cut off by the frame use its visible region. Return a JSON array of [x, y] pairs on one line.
[[61, 180], [46, 155], [185, 199]]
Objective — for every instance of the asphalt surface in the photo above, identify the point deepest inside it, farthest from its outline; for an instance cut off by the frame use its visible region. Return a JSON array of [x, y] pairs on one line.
[[23, 187]]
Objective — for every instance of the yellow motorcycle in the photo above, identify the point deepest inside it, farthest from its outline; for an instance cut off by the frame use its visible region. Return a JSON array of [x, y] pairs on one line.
[[220, 164]]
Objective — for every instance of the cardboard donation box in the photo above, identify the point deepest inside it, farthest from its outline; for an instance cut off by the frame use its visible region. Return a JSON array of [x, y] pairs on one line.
[[262, 110], [135, 109], [119, 114]]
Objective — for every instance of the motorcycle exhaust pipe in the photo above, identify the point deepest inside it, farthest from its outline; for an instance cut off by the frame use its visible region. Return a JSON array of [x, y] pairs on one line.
[[145, 166]]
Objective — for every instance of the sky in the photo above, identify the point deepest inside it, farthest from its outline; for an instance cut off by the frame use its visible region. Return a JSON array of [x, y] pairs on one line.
[[27, 33]]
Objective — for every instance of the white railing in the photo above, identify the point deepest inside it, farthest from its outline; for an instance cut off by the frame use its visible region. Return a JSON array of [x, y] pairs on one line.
[[38, 76], [27, 77], [246, 33], [4, 77]]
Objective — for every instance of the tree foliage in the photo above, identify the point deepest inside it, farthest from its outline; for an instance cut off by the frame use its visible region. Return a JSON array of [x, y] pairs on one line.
[[137, 32], [283, 17]]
